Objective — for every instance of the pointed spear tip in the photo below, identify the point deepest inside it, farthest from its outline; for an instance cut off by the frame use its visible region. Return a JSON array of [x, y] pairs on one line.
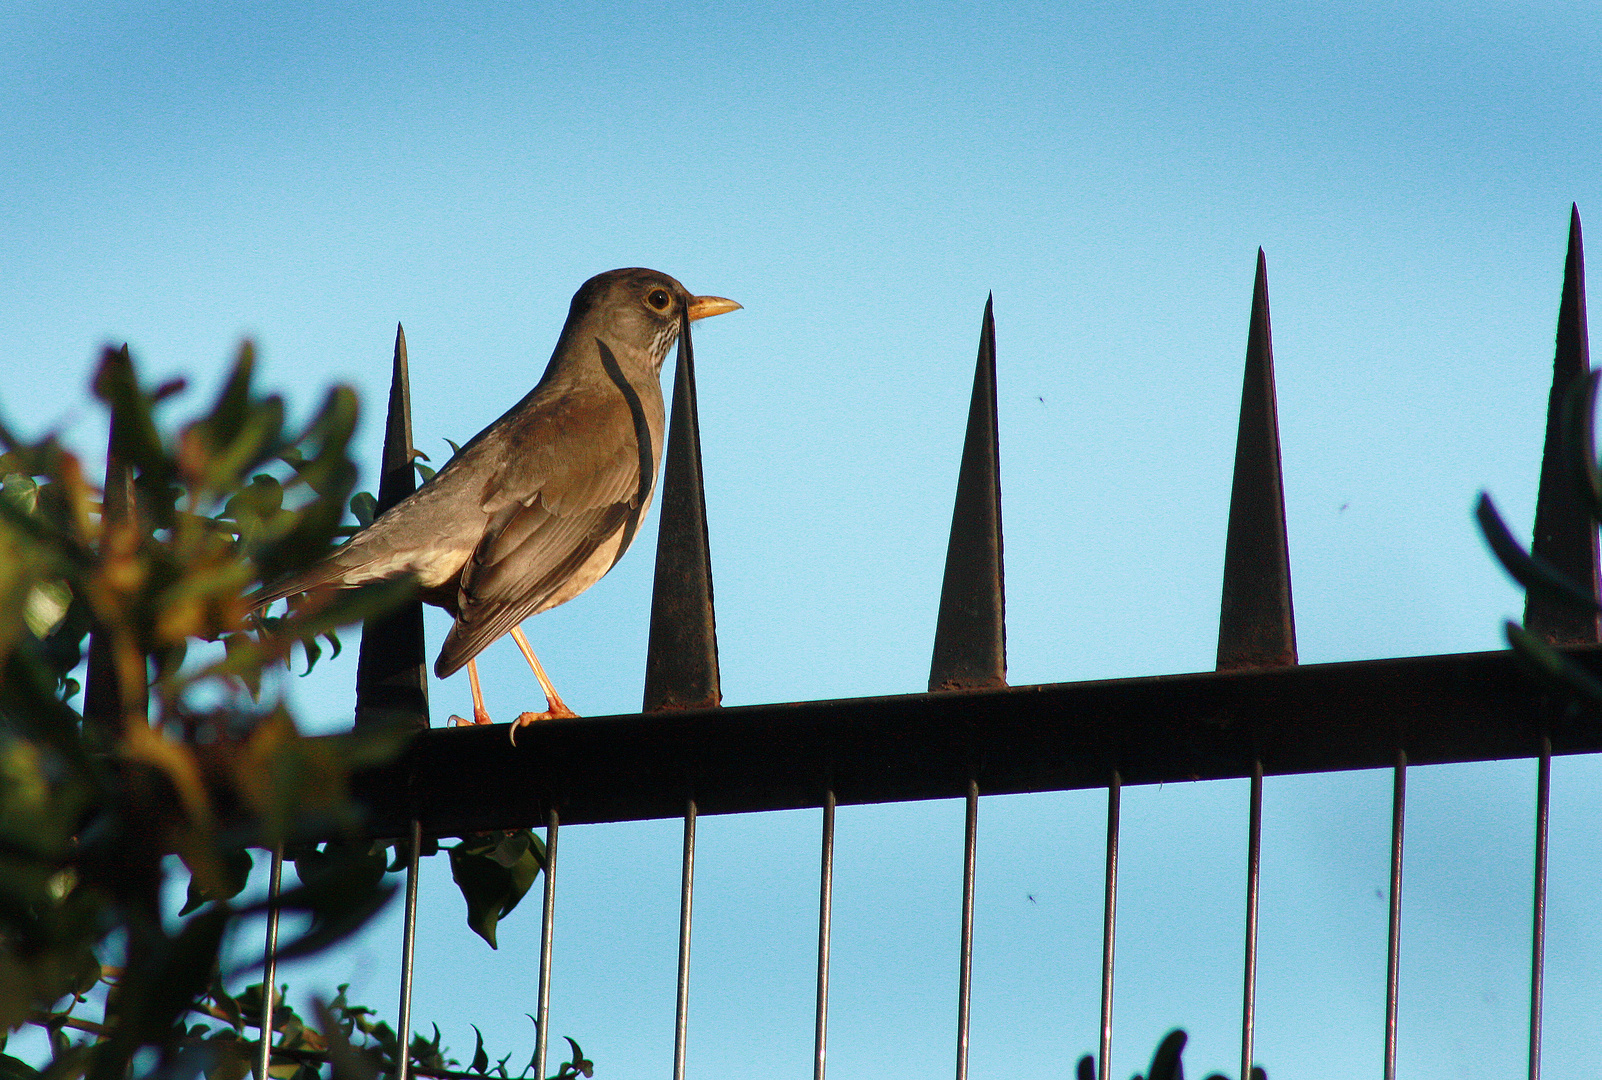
[[401, 378], [970, 648]]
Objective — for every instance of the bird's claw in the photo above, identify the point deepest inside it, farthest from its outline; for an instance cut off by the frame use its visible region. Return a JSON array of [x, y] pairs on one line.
[[557, 711], [479, 717]]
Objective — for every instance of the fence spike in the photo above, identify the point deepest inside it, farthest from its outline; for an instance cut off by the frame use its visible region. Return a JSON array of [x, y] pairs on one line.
[[1257, 625], [1565, 535], [391, 671], [102, 696], [681, 663], [970, 648]]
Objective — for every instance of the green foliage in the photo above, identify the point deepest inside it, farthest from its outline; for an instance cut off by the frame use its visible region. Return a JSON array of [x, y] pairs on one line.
[[494, 871], [221, 1037], [173, 751], [1577, 686], [1165, 1063]]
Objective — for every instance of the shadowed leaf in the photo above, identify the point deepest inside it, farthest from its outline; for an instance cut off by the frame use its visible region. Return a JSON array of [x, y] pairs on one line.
[[1530, 571]]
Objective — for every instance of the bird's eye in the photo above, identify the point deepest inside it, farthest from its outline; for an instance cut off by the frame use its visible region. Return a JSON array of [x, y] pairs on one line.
[[658, 299]]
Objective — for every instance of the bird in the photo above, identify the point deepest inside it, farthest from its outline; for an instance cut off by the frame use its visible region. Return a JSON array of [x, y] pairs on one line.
[[539, 505]]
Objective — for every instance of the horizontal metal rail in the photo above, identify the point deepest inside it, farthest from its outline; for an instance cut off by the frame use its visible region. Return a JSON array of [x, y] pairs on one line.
[[1163, 729]]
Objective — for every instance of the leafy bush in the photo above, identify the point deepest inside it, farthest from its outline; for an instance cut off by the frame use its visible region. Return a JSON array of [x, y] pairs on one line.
[[174, 750]]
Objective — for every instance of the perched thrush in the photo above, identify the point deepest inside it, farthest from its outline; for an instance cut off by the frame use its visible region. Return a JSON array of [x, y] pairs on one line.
[[544, 501]]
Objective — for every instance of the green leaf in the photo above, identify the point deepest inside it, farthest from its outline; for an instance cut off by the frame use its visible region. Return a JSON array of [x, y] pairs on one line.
[[1551, 666], [46, 607], [579, 1063], [1579, 438], [160, 992], [1531, 571], [480, 1062], [348, 1062], [236, 865], [22, 491], [341, 889], [227, 1004], [363, 507], [1165, 1064], [133, 424], [16, 1069], [494, 871], [233, 400], [248, 447]]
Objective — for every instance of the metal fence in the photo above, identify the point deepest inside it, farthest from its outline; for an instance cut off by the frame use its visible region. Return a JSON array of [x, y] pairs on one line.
[[1259, 714]]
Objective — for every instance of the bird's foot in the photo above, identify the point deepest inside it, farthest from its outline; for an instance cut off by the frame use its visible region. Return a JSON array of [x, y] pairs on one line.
[[556, 711], [480, 716]]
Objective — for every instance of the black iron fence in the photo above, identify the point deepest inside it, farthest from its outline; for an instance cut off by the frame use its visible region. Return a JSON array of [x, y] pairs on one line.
[[1259, 714]]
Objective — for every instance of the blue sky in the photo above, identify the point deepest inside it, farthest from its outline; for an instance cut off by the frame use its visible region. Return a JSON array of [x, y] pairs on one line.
[[861, 178]]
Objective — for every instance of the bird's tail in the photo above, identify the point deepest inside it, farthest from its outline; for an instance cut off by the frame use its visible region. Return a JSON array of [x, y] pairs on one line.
[[300, 581]]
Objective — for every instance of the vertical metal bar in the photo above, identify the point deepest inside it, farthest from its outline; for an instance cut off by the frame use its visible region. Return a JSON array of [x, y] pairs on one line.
[[1109, 922], [1394, 946], [269, 974], [547, 923], [1543, 791], [1254, 846], [1566, 538], [825, 911], [686, 896], [1256, 623], [403, 1059], [970, 646], [965, 978]]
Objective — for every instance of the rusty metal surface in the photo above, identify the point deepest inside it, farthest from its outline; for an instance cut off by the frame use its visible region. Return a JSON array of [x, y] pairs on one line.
[[970, 647], [1162, 729], [1565, 535], [391, 671], [681, 663], [1256, 626]]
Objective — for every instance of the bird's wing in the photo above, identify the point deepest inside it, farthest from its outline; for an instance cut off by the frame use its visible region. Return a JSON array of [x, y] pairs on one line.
[[594, 471]]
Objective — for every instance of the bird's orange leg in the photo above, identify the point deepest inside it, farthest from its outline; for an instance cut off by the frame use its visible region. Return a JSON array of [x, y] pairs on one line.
[[480, 714], [554, 706]]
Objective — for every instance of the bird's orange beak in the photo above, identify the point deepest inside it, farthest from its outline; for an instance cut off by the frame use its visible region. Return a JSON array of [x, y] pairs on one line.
[[704, 307]]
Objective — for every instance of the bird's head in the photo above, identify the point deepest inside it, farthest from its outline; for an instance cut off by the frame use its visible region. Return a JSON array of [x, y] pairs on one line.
[[639, 311]]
